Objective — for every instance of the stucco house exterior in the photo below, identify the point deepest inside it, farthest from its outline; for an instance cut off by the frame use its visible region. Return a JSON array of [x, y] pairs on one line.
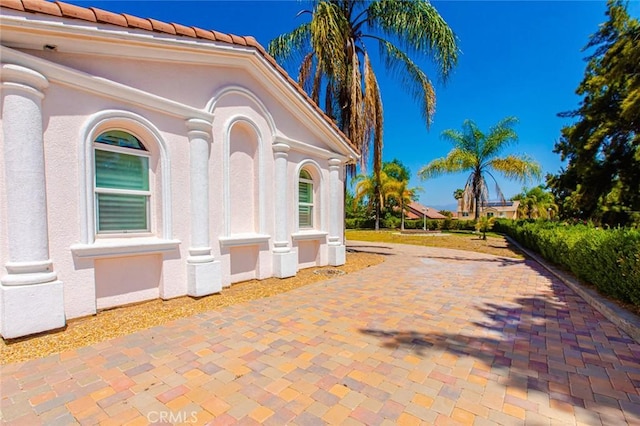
[[499, 209], [416, 210], [143, 159]]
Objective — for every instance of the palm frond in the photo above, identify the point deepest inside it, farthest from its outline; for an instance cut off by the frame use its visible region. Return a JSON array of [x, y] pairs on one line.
[[357, 125], [456, 161], [418, 27], [500, 136], [373, 114], [304, 75], [516, 167], [329, 37], [286, 46], [496, 187], [411, 77]]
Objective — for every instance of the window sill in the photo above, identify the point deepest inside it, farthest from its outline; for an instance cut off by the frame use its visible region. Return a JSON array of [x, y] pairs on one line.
[[311, 234], [244, 240], [114, 247]]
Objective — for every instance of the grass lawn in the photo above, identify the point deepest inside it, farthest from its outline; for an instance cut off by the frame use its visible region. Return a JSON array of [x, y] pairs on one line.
[[494, 244]]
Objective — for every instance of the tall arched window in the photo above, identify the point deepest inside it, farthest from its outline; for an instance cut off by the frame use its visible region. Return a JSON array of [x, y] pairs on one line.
[[305, 199], [121, 183]]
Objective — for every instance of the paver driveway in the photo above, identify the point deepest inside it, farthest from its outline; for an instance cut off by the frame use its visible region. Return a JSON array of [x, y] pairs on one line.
[[432, 335]]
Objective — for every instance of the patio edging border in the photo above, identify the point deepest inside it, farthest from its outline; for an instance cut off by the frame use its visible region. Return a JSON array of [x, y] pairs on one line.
[[619, 316]]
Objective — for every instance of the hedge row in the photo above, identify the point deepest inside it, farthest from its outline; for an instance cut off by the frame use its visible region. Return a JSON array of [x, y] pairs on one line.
[[608, 259], [394, 223]]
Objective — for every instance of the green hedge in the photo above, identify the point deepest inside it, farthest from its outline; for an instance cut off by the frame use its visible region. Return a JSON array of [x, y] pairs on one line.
[[394, 223], [608, 259]]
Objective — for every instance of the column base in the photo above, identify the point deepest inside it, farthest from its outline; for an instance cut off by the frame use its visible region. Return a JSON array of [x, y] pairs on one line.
[[285, 265], [337, 255], [204, 278], [30, 309]]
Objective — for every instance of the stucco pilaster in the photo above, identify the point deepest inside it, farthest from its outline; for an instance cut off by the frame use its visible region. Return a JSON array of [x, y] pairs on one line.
[[285, 261], [27, 310], [204, 273], [337, 250]]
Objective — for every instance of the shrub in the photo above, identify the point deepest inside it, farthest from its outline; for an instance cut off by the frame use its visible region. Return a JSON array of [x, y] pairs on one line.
[[608, 259], [360, 223], [390, 222]]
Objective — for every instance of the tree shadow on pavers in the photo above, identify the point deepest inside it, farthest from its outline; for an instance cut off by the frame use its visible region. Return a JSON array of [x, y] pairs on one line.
[[356, 250], [552, 346]]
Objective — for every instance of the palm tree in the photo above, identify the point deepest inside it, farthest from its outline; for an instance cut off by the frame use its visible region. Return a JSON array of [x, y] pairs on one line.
[[403, 195], [335, 62], [366, 187], [479, 153], [485, 224], [536, 203]]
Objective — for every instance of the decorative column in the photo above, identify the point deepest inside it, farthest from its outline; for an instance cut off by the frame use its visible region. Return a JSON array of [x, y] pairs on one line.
[[203, 272], [285, 262], [337, 250], [32, 296]]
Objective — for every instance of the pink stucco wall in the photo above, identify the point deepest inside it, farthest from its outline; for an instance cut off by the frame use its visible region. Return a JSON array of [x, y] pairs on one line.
[[241, 176]]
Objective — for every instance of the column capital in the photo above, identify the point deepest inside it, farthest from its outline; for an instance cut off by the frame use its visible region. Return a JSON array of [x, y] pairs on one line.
[[198, 127], [281, 147], [334, 163], [17, 75]]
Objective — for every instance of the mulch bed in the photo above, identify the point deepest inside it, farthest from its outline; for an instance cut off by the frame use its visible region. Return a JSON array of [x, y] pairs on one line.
[[128, 319]]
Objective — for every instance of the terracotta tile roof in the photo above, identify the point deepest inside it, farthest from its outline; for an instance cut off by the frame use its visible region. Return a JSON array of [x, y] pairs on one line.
[[417, 211], [125, 20]]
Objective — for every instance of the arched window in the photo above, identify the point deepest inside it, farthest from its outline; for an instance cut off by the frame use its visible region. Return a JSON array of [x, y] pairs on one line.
[[305, 199], [121, 183]]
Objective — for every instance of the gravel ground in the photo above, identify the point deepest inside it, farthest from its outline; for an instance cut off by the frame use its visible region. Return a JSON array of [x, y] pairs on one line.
[[125, 320], [494, 244]]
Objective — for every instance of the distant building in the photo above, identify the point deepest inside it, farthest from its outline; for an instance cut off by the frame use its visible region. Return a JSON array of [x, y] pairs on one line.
[[499, 209], [418, 211]]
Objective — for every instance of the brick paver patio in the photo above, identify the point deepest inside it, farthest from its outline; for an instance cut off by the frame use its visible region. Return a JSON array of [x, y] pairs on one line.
[[431, 336]]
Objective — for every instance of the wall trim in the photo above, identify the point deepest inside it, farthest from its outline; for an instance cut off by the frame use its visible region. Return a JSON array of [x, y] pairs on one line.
[[226, 153], [147, 132], [318, 204], [103, 87]]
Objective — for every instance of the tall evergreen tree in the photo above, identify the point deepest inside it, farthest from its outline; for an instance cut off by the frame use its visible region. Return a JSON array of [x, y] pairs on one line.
[[602, 178]]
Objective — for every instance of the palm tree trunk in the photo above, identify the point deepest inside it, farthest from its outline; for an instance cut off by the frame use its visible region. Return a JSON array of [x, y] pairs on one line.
[[476, 192], [477, 206], [402, 215], [376, 194]]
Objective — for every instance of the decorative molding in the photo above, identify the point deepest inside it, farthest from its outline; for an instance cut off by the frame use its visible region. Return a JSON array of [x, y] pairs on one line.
[[226, 153], [197, 127], [307, 149], [309, 235], [124, 247], [103, 87], [74, 37], [244, 240], [242, 91], [147, 132], [318, 203], [22, 78], [334, 163]]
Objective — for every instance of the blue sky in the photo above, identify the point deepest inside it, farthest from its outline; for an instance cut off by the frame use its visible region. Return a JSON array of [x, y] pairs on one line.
[[518, 58]]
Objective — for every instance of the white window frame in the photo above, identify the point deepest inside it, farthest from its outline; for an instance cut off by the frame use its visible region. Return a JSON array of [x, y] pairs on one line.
[[311, 204], [161, 236], [97, 190]]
